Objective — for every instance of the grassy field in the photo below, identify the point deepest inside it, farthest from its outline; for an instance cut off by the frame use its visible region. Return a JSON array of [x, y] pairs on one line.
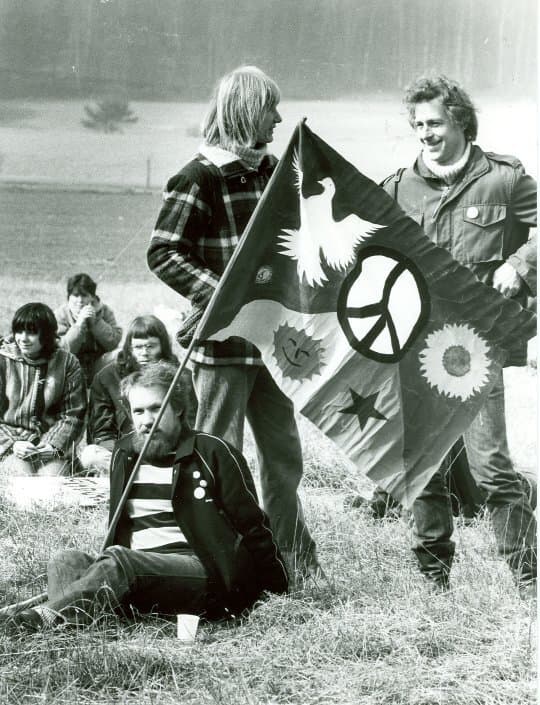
[[373, 635]]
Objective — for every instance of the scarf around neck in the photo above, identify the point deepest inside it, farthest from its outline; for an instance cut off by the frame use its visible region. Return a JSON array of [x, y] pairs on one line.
[[251, 155]]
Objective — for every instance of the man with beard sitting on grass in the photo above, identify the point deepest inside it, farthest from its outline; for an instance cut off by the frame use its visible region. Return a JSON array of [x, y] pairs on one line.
[[190, 537]]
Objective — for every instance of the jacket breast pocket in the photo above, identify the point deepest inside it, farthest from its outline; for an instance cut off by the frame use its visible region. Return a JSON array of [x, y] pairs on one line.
[[479, 233]]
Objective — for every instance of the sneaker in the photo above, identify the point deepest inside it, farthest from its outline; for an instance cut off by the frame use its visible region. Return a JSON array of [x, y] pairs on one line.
[[380, 506], [25, 621]]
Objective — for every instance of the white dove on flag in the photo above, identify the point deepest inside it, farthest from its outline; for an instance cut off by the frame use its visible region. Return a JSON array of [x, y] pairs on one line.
[[319, 234]]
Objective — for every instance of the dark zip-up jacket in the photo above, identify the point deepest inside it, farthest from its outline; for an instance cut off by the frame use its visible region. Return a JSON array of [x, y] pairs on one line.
[[215, 506], [108, 417], [483, 219]]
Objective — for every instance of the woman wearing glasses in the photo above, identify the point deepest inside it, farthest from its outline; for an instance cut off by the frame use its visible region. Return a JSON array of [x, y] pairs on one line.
[[147, 341]]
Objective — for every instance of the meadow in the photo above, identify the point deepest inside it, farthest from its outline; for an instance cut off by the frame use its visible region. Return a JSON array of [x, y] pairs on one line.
[[374, 633]]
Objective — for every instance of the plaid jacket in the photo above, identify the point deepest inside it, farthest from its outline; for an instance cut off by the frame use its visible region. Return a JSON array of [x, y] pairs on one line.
[[206, 207]]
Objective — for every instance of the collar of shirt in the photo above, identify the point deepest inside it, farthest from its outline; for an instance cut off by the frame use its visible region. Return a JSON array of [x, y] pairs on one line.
[[186, 444]]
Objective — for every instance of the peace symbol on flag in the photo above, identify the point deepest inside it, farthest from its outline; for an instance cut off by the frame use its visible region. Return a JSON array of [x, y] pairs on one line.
[[383, 304]]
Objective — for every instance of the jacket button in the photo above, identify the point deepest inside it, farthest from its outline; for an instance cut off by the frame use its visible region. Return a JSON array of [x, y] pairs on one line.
[[472, 212]]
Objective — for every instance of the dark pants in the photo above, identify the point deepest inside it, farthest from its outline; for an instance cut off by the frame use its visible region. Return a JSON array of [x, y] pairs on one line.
[[512, 517], [227, 395], [82, 587]]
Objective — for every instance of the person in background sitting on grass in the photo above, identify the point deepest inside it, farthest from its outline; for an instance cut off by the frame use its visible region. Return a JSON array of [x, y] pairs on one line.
[[190, 537], [147, 341], [86, 326], [42, 396]]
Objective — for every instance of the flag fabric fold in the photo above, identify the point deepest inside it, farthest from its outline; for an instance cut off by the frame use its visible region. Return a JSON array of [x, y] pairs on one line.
[[378, 336]]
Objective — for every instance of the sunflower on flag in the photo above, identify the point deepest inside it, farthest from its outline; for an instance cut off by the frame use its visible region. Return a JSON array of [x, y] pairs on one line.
[[456, 361]]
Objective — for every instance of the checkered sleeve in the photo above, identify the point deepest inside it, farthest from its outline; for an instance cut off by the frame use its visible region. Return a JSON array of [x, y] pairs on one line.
[[175, 254]]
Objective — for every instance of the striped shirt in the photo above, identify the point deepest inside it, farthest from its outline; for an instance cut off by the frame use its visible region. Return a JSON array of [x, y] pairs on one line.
[[205, 210], [149, 507]]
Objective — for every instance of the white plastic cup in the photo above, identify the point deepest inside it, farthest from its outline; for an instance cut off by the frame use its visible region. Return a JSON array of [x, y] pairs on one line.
[[186, 627]]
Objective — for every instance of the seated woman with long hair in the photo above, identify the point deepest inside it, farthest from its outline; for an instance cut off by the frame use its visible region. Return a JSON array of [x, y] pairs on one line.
[[42, 396], [147, 341]]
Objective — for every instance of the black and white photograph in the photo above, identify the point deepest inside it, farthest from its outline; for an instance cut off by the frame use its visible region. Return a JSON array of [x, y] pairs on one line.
[[268, 353]]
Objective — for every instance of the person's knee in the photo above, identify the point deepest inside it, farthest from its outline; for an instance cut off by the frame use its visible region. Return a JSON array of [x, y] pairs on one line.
[[54, 468], [65, 568], [95, 458], [12, 465], [506, 488]]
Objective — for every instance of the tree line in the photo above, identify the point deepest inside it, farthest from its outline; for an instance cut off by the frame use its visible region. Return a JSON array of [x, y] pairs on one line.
[[175, 49]]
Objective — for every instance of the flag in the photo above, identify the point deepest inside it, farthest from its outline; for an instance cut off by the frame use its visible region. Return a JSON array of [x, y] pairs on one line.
[[379, 337]]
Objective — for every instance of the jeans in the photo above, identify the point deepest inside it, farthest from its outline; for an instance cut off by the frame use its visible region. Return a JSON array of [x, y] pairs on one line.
[[512, 517], [229, 393], [80, 586]]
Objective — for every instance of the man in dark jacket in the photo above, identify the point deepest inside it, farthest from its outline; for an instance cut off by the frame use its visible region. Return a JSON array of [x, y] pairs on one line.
[[190, 538], [479, 206]]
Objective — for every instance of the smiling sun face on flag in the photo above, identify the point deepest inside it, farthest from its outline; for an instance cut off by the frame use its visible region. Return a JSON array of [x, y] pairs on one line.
[[298, 355], [455, 361]]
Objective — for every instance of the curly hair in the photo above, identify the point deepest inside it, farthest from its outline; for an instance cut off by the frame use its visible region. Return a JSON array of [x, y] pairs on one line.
[[159, 374], [37, 318], [455, 100], [237, 107], [147, 326]]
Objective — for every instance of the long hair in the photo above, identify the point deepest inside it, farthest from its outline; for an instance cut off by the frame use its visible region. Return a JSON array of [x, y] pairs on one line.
[[237, 107], [148, 326], [37, 318], [455, 100]]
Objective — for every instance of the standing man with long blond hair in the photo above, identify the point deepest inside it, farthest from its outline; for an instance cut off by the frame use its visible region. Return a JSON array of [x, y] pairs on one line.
[[206, 207]]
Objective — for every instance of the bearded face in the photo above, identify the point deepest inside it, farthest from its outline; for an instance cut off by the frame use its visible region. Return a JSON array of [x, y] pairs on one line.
[[145, 403]]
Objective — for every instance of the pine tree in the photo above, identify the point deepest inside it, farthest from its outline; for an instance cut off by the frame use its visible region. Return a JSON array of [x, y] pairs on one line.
[[108, 115]]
